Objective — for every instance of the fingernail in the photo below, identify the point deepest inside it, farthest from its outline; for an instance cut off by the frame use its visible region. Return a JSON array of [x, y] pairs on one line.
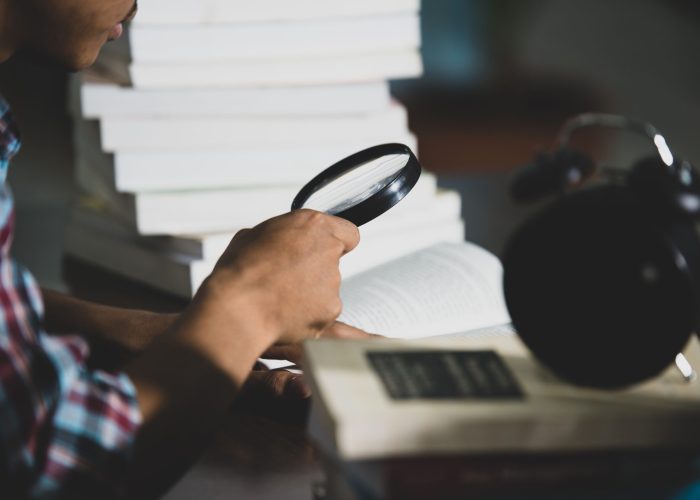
[[296, 388]]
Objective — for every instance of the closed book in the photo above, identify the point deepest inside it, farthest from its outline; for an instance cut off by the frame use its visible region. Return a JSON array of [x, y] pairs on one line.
[[182, 12], [137, 171], [101, 96], [382, 400], [217, 43], [360, 66], [255, 166], [348, 68], [182, 134]]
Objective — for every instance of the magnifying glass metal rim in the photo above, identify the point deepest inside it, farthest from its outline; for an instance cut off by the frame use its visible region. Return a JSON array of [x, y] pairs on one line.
[[366, 210]]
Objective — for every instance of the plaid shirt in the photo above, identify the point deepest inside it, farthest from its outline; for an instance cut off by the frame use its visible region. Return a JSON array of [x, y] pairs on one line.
[[65, 431]]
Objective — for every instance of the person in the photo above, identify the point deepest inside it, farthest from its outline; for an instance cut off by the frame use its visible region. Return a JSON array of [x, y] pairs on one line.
[[69, 429]]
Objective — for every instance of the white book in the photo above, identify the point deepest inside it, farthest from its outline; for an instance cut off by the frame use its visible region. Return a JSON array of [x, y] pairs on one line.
[[358, 413], [148, 261], [195, 211], [217, 43], [182, 12], [182, 134], [135, 171], [101, 96], [170, 171], [173, 273], [350, 68]]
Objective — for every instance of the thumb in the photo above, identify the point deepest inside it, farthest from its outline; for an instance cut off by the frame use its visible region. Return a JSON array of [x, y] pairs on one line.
[[340, 330]]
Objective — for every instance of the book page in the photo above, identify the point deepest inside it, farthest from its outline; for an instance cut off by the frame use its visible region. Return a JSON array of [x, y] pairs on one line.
[[446, 288], [487, 332]]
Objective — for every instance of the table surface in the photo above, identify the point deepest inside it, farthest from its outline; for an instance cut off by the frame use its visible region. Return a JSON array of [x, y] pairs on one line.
[[254, 458]]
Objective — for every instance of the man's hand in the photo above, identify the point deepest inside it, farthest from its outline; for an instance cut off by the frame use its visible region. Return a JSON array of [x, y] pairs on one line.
[[287, 268], [276, 283]]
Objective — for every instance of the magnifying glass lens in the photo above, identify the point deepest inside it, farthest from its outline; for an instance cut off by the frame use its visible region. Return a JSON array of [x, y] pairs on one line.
[[362, 186], [357, 185]]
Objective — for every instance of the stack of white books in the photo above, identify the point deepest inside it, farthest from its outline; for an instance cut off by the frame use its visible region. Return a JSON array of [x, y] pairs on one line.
[[211, 115]]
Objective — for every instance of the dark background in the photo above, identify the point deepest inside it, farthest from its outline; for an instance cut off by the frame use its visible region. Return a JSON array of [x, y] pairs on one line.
[[500, 75]]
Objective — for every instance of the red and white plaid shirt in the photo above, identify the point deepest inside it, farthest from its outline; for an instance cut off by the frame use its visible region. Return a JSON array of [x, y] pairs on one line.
[[65, 431]]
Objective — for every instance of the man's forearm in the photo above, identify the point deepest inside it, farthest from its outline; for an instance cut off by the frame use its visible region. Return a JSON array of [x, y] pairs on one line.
[[66, 314], [132, 329], [187, 381]]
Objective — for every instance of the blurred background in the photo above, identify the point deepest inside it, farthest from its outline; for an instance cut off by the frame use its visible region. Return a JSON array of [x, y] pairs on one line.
[[500, 76]]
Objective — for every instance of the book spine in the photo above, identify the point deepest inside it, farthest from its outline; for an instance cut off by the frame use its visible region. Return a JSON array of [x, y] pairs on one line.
[[165, 171], [179, 12], [157, 134], [99, 99], [365, 67], [174, 275], [241, 42]]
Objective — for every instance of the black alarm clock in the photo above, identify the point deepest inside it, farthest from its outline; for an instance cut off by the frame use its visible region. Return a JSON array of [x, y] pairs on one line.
[[603, 283]]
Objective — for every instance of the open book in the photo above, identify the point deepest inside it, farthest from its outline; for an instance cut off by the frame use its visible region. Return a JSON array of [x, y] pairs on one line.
[[443, 289], [448, 289]]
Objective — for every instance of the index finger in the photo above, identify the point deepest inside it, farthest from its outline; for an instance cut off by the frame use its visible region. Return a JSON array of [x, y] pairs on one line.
[[345, 231]]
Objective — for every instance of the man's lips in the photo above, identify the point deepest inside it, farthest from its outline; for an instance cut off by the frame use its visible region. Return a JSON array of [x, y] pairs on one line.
[[132, 13]]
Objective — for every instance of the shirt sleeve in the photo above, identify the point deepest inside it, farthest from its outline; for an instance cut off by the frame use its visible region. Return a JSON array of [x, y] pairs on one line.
[[65, 431]]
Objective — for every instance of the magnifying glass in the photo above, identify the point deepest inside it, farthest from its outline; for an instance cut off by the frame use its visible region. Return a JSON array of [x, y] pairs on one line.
[[362, 186]]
